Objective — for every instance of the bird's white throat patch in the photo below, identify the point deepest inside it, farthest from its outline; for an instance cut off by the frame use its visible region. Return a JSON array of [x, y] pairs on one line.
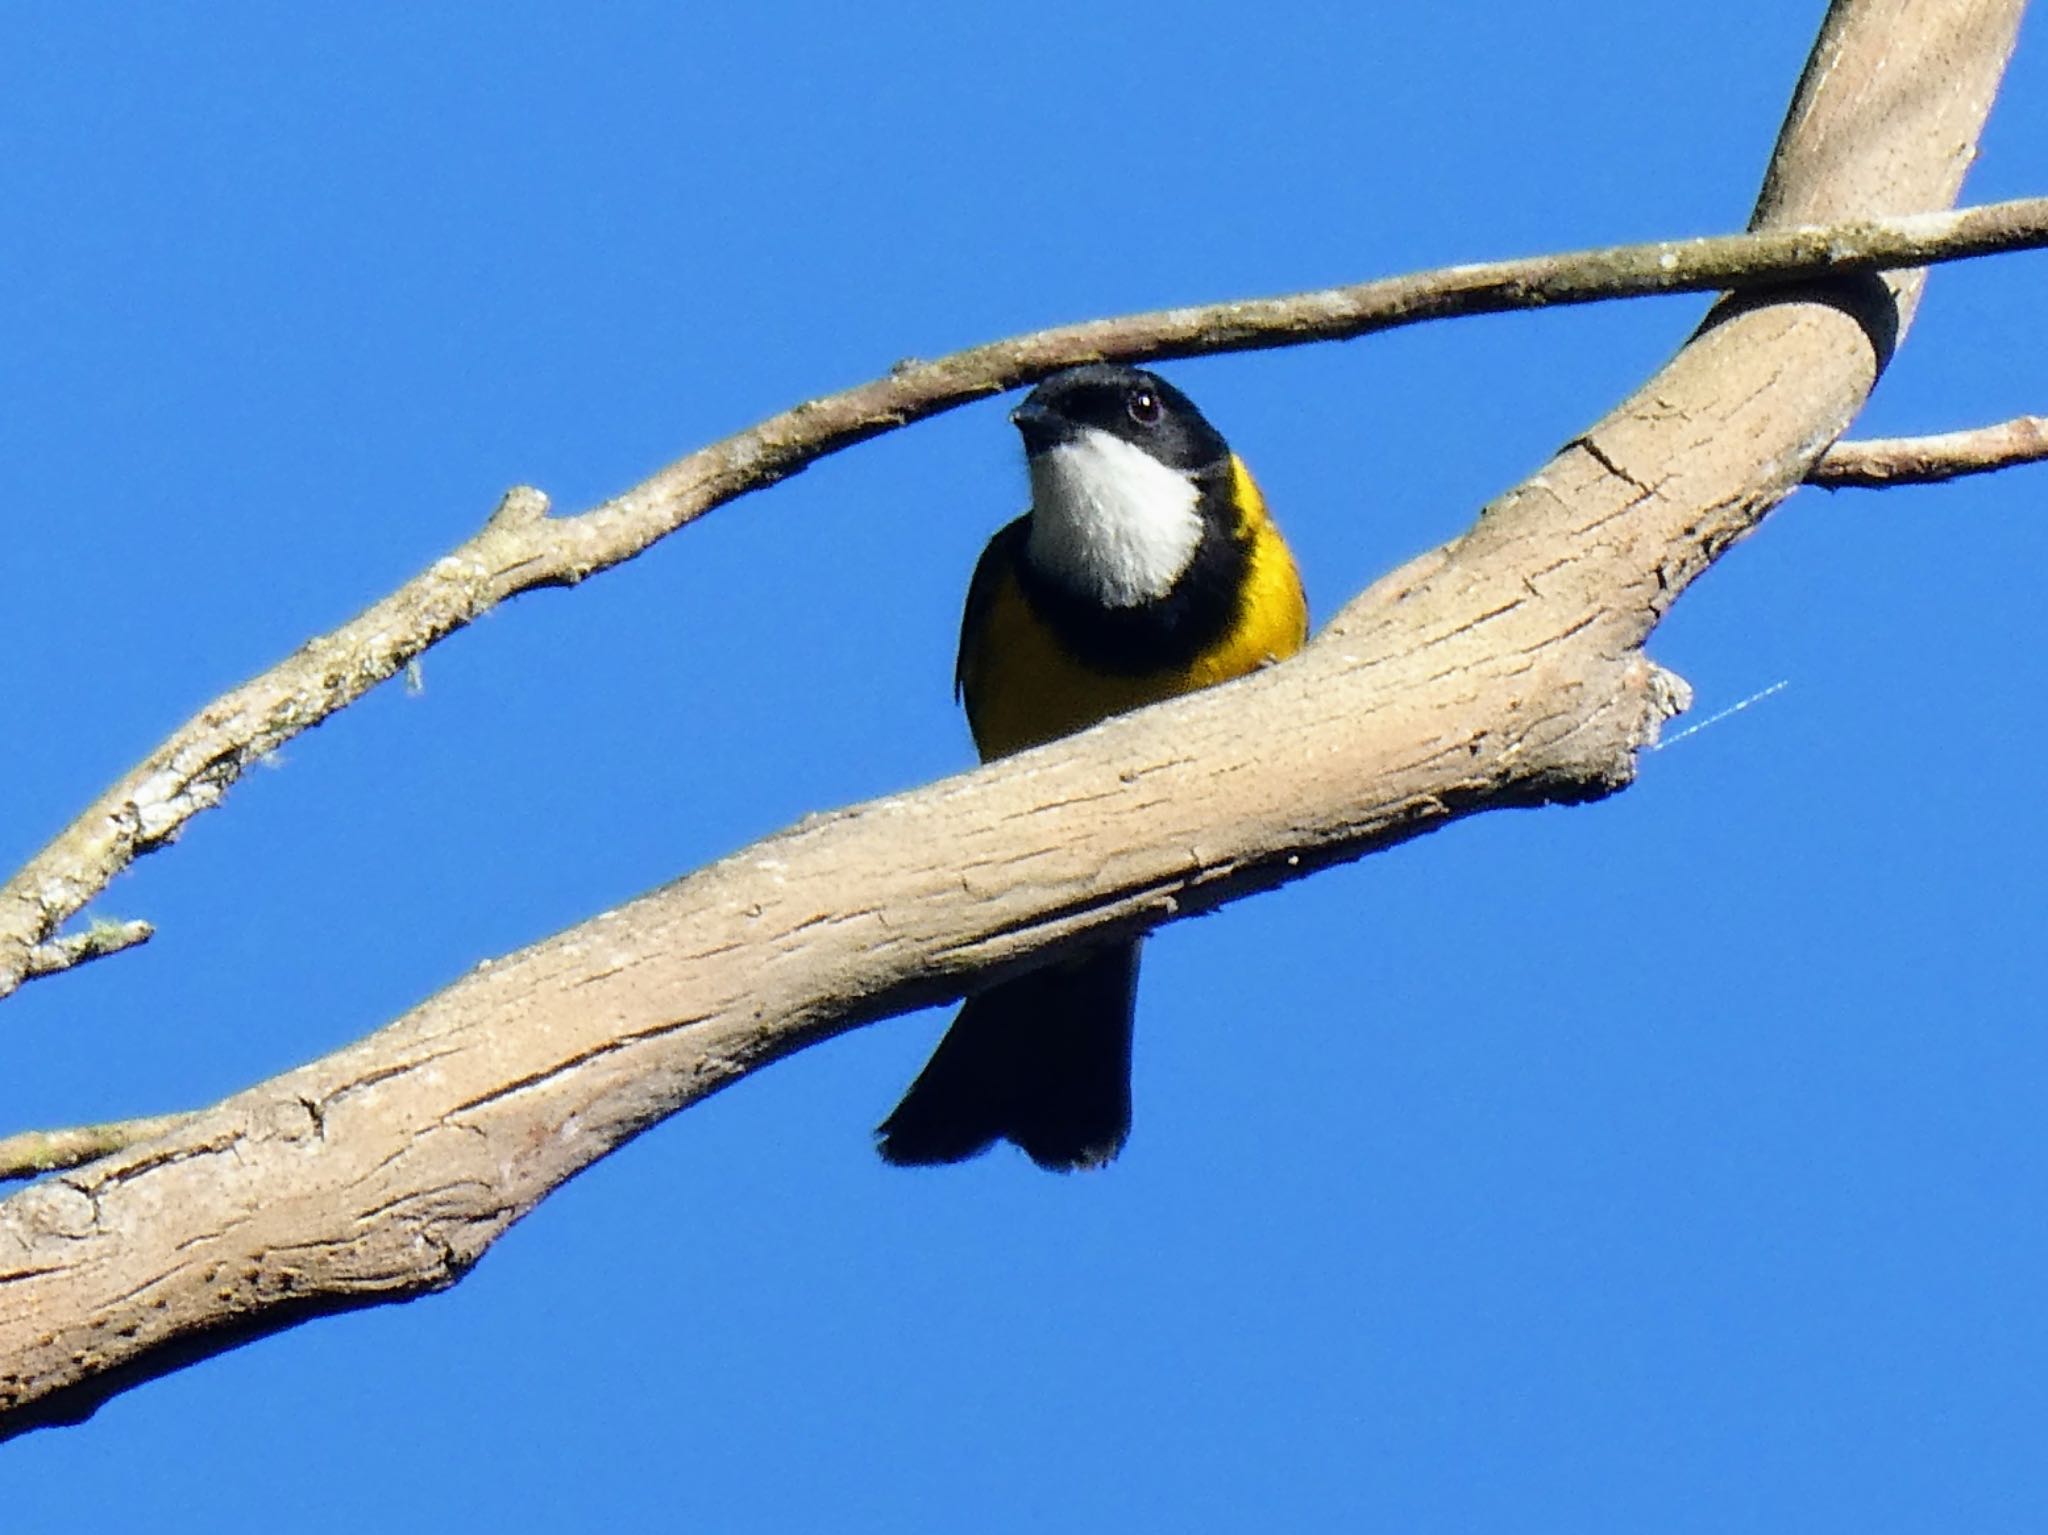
[[1109, 521]]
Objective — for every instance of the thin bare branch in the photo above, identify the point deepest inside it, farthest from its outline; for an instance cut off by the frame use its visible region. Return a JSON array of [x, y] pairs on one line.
[[29, 1153], [96, 942], [1880, 461], [1872, 462], [521, 548]]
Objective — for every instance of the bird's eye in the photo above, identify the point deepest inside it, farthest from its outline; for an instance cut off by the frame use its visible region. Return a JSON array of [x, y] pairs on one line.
[[1144, 407]]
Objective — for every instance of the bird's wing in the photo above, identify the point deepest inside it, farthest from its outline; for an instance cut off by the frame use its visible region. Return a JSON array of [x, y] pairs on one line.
[[995, 563]]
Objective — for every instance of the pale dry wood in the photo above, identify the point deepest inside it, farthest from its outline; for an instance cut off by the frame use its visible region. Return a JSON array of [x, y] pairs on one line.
[[1874, 463], [522, 549], [1503, 669], [1879, 462]]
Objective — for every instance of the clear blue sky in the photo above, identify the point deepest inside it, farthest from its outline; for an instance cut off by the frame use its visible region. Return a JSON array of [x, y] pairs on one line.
[[1674, 1163]]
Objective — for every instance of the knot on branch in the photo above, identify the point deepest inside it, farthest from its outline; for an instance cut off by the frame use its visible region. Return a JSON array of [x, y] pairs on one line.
[[1596, 753], [521, 506]]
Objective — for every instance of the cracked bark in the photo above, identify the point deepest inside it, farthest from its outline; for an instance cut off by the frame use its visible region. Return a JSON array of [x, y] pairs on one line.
[[1503, 669], [522, 548]]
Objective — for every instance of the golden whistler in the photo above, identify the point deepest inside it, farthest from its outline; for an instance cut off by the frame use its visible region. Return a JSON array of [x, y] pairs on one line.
[[1146, 567]]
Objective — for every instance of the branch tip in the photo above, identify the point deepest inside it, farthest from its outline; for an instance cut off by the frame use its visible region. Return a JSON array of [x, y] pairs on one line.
[[31, 1153], [1878, 462], [520, 507], [96, 942]]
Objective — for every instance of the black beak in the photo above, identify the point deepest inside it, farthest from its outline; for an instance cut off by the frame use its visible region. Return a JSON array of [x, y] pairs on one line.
[[1040, 425]]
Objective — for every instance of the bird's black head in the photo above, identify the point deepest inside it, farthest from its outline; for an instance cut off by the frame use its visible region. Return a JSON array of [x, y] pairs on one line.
[[1141, 408]]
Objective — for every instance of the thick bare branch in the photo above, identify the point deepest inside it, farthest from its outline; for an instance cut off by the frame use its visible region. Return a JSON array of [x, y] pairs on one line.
[[1882, 461], [522, 548], [1503, 669]]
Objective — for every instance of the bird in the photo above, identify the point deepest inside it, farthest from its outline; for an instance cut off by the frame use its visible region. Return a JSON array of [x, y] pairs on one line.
[[1147, 566]]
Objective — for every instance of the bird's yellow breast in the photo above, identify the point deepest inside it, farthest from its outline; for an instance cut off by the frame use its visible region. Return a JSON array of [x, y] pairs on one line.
[[1023, 687]]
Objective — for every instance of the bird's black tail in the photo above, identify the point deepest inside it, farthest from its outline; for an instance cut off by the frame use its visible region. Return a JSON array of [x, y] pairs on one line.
[[1043, 1060]]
